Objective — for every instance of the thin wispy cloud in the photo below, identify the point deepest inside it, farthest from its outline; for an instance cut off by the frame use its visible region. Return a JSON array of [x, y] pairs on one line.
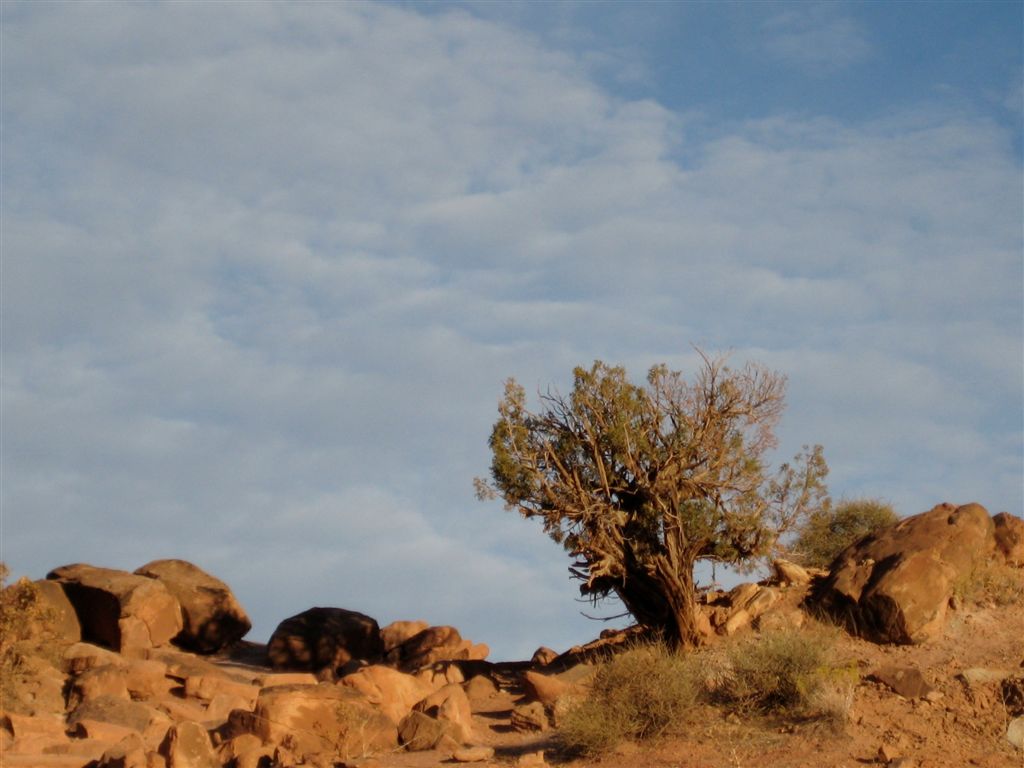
[[819, 38]]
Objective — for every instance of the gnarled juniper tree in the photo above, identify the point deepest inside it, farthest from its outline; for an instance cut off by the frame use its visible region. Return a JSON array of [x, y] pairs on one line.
[[639, 483]]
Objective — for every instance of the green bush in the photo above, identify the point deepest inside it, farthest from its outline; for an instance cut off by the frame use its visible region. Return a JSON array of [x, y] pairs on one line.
[[638, 694], [788, 672], [831, 530]]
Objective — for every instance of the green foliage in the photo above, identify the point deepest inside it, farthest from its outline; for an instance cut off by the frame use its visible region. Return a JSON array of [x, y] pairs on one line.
[[790, 672], [640, 482], [638, 694], [830, 530]]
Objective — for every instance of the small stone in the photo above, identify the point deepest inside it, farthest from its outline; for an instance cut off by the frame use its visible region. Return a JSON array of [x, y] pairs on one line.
[[529, 717], [1015, 732], [472, 754], [907, 681], [531, 760], [982, 675], [887, 753]]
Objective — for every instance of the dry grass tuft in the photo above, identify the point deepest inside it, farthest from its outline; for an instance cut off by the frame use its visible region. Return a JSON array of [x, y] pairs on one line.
[[638, 694], [791, 672]]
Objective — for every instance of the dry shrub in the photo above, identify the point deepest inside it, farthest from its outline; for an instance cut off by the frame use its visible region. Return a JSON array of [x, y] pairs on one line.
[[639, 694], [789, 672], [21, 615], [991, 582]]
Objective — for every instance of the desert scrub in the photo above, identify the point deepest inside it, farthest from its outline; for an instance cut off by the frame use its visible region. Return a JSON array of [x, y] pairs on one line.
[[829, 531], [991, 582], [789, 672], [22, 617], [640, 693]]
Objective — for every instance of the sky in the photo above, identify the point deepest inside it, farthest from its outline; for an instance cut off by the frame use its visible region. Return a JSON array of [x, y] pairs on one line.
[[266, 266]]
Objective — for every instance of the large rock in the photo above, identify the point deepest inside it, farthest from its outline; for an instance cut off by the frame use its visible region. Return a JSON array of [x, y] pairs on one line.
[[323, 719], [139, 717], [450, 705], [894, 586], [394, 692], [118, 609], [435, 644], [187, 745], [1009, 534], [59, 622], [324, 638], [397, 632], [419, 732], [213, 618]]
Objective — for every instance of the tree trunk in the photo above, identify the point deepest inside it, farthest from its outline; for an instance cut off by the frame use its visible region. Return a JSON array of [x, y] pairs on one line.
[[663, 599]]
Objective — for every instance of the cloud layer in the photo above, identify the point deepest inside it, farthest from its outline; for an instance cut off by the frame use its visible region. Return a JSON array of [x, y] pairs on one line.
[[265, 268]]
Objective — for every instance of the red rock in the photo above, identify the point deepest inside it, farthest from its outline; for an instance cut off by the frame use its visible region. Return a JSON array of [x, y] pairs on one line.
[[450, 705], [321, 718], [188, 746], [324, 638], [1009, 535], [213, 617], [120, 610], [393, 692], [894, 586]]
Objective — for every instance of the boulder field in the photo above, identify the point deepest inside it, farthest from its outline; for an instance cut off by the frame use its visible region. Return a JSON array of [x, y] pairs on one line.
[[150, 669]]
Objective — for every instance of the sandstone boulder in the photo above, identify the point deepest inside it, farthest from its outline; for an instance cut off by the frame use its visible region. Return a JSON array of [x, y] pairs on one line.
[[187, 745], [894, 586], [531, 717], [546, 689], [80, 657], [435, 644], [59, 622], [1009, 535], [450, 705], [321, 719], [907, 681], [120, 610], [129, 752], [785, 572], [35, 687], [419, 731], [394, 693], [212, 617], [397, 632], [324, 638], [139, 717], [100, 681]]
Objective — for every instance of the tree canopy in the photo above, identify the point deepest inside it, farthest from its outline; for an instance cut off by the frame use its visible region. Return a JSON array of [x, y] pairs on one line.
[[639, 482]]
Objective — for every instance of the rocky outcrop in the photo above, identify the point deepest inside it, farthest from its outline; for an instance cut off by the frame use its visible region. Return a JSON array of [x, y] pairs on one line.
[[213, 617], [120, 610], [1009, 536], [432, 645], [324, 718], [150, 704], [325, 638], [895, 585], [394, 692]]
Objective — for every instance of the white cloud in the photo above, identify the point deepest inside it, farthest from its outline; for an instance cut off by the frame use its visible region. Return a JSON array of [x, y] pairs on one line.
[[261, 290], [817, 37]]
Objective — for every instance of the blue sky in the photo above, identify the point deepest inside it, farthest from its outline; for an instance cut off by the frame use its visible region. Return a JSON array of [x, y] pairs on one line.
[[266, 266]]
